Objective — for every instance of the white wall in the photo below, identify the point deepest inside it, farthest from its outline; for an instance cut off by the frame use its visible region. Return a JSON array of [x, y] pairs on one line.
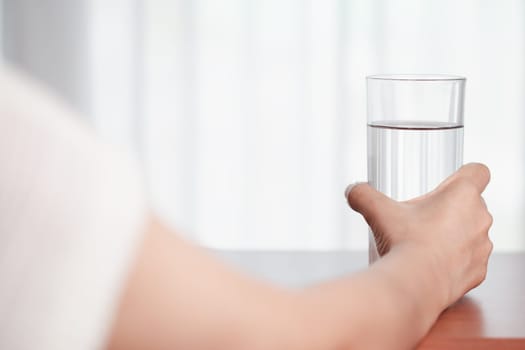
[[250, 115], [243, 136], [262, 106]]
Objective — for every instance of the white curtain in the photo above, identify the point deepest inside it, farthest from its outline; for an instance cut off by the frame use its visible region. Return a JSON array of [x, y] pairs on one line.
[[249, 115]]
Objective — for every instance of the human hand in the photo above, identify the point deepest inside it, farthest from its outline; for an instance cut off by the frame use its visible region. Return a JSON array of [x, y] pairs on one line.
[[448, 226]]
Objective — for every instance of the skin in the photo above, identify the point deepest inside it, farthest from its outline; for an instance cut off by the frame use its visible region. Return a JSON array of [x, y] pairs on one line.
[[434, 249]]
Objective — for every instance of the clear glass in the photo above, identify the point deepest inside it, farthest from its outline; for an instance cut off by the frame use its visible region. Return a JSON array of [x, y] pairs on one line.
[[415, 134]]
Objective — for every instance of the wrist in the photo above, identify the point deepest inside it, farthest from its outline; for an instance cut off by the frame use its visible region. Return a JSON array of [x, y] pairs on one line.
[[426, 273]]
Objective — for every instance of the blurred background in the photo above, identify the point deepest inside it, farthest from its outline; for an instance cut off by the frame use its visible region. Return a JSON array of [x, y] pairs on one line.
[[249, 116]]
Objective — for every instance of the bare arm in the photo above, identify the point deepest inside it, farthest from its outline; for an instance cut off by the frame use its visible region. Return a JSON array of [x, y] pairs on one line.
[[436, 248], [180, 297]]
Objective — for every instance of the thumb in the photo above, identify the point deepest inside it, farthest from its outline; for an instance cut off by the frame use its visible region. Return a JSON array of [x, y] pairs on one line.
[[364, 199], [476, 173]]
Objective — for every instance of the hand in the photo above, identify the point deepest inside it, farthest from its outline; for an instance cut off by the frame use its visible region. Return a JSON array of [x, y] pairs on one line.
[[448, 225]]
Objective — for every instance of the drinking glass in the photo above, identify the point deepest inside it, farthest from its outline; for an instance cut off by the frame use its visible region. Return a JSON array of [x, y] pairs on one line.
[[415, 134]]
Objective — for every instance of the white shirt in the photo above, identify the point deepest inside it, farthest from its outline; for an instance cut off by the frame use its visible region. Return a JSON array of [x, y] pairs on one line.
[[71, 216]]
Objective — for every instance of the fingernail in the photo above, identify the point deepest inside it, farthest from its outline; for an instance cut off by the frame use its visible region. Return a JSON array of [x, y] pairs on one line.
[[352, 185]]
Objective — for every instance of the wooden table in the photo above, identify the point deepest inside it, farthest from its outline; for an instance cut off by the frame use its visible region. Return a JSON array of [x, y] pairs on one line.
[[490, 317]]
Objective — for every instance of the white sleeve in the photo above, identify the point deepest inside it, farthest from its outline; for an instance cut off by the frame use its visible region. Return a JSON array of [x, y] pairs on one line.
[[71, 215]]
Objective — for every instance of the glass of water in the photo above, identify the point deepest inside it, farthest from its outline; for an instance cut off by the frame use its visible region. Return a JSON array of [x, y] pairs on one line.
[[415, 134]]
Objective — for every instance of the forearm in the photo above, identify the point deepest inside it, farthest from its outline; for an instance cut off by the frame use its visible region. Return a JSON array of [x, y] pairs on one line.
[[391, 305], [179, 297]]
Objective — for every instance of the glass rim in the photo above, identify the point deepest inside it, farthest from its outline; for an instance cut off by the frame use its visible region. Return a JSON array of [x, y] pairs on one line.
[[416, 77]]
